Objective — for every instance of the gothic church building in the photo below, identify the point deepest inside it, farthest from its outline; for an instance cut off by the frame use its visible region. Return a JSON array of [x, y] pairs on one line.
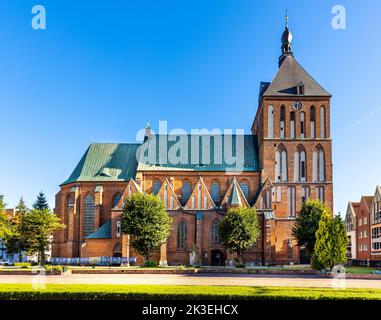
[[287, 159]]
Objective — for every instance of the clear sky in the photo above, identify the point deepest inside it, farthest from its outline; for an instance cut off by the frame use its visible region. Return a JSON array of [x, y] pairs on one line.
[[101, 69]]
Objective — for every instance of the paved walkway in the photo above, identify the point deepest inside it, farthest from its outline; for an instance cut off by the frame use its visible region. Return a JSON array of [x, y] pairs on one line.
[[196, 279]]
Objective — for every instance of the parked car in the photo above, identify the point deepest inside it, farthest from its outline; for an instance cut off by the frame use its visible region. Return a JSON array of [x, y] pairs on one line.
[[6, 262]]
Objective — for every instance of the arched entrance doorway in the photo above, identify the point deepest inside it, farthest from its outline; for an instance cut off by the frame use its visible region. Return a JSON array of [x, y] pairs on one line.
[[117, 251], [217, 258]]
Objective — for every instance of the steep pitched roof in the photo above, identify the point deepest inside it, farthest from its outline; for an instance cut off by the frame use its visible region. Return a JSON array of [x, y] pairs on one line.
[[104, 232], [106, 162], [234, 196], [368, 201], [204, 193], [170, 193], [286, 80], [180, 153]]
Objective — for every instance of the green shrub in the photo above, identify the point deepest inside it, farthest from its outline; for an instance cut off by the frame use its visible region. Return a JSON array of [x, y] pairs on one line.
[[23, 265], [150, 264]]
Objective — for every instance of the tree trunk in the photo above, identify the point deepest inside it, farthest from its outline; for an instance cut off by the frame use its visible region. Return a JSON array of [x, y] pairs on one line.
[[42, 255]]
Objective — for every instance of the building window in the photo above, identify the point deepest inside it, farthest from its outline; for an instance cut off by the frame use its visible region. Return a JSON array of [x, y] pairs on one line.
[[215, 192], [118, 228], [270, 122], [365, 234], [305, 193], [282, 122], [88, 215], [214, 235], [291, 202], [182, 235], [186, 190], [318, 165], [245, 189], [365, 220], [116, 199], [281, 164], [166, 195], [302, 125], [365, 247], [292, 125], [156, 187], [320, 193], [69, 204], [193, 202], [312, 122], [322, 122], [300, 88], [300, 170]]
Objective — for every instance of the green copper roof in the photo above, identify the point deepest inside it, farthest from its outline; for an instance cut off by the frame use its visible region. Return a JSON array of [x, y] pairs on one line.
[[202, 153], [104, 232], [106, 162]]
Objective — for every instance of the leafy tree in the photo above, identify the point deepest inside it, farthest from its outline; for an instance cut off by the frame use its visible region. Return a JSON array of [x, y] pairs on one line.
[[144, 218], [307, 223], [14, 243], [239, 229], [4, 221], [331, 241], [41, 202], [36, 231]]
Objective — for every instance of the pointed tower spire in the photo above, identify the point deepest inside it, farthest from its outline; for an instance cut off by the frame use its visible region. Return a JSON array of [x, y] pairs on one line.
[[147, 132], [286, 42]]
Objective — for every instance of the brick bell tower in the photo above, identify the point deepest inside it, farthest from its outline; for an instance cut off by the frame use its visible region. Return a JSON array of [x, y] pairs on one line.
[[295, 147]]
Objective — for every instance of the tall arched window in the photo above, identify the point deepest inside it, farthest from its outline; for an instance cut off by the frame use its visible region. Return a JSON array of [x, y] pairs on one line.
[[166, 195], [300, 168], [302, 125], [318, 164], [88, 215], [156, 187], [322, 122], [270, 122], [182, 234], [312, 122], [214, 235], [245, 189], [186, 190], [215, 192], [292, 125], [282, 122], [115, 200], [281, 164], [69, 204]]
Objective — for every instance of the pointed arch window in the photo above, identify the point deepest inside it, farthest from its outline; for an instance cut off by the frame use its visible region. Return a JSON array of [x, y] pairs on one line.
[[166, 195], [312, 122], [88, 215], [215, 192], [186, 190], [281, 164], [270, 122], [245, 189], [302, 125], [116, 199], [291, 202], [300, 168], [292, 125], [214, 235], [69, 204], [318, 164], [322, 122], [182, 234], [156, 187], [282, 122]]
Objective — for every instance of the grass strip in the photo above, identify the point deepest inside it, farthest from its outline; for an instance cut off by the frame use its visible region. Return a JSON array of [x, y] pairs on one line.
[[173, 292]]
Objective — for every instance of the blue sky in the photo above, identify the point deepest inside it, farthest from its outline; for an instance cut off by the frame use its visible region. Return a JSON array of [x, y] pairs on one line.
[[101, 69]]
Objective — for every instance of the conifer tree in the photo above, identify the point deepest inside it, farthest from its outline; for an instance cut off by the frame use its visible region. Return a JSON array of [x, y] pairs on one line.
[[41, 202], [331, 241]]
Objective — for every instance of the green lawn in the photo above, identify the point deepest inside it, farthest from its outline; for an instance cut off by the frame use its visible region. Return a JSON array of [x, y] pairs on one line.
[[360, 270], [141, 292]]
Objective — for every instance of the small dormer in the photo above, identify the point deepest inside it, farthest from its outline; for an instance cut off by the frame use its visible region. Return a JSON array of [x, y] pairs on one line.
[[300, 88]]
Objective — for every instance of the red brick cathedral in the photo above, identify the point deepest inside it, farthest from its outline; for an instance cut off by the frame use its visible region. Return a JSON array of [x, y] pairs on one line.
[[285, 160]]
